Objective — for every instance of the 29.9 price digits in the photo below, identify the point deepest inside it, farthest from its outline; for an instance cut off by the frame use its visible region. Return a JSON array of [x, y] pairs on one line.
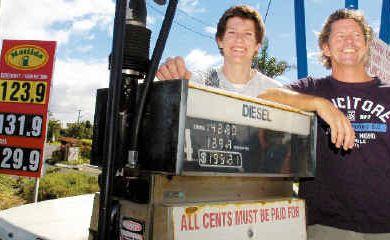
[[24, 125], [22, 91], [19, 159]]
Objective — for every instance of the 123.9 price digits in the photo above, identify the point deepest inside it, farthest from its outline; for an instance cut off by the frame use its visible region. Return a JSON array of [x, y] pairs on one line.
[[24, 125], [24, 159], [22, 91]]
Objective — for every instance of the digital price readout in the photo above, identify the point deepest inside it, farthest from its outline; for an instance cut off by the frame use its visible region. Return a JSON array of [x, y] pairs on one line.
[[16, 91], [214, 144], [22, 125], [15, 158], [218, 149], [219, 158]]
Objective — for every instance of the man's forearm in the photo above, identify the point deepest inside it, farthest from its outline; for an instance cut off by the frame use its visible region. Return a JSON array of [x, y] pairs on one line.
[[288, 97]]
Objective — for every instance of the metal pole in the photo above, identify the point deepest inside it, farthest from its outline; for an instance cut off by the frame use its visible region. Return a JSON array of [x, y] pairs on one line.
[[384, 32], [352, 4], [36, 189], [300, 38], [112, 120]]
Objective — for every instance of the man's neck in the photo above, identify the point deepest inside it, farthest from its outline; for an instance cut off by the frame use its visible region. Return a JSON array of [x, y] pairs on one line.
[[350, 75], [237, 73]]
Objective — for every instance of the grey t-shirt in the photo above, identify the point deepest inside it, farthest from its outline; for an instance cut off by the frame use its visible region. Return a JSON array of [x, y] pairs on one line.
[[214, 77]]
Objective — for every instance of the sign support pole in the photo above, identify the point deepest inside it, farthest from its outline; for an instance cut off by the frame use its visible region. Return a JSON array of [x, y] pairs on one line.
[[36, 189]]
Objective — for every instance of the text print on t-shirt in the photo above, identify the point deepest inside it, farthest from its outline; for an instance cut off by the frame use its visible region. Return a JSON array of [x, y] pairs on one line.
[[367, 117]]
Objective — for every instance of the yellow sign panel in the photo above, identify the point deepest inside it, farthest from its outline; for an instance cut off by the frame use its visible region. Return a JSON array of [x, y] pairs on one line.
[[16, 91], [26, 57]]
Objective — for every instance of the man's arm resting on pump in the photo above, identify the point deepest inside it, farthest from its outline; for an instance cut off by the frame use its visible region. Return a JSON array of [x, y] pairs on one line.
[[342, 133]]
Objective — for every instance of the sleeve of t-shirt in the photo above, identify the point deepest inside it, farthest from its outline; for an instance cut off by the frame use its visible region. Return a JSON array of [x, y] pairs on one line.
[[304, 85], [199, 77], [271, 83]]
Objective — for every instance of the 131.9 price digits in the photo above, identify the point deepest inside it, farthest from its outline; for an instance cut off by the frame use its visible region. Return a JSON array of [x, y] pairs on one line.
[[24, 125], [22, 91], [24, 159]]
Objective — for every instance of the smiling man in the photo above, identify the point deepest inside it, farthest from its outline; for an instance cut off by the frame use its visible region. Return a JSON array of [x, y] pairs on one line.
[[350, 196], [240, 33]]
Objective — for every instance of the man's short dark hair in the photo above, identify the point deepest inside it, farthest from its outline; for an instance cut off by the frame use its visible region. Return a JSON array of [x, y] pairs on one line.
[[245, 12]]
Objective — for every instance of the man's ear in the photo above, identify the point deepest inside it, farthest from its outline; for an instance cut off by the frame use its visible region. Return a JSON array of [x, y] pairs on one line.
[[325, 49]]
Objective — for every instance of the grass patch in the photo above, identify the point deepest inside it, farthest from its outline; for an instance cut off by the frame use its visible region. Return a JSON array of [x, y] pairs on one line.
[[9, 192], [57, 183], [61, 184]]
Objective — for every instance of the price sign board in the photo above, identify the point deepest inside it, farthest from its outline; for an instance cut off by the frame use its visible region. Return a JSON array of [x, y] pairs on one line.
[[26, 68]]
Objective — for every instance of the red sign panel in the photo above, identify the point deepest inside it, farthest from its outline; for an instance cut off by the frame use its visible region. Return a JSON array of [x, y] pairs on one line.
[[26, 68]]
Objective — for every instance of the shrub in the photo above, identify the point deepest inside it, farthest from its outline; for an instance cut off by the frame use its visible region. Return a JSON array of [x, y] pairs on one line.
[[61, 184]]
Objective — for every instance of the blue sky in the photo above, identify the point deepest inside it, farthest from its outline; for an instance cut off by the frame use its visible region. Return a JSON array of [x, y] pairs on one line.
[[83, 30]]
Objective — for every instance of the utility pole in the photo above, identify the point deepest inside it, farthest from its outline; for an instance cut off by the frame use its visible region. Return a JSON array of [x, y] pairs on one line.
[[79, 116]]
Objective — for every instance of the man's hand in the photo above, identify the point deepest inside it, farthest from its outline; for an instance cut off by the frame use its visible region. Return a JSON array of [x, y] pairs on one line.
[[342, 133], [173, 68]]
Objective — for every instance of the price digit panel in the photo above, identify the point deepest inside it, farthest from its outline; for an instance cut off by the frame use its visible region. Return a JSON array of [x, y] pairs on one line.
[[16, 91], [23, 125], [15, 158]]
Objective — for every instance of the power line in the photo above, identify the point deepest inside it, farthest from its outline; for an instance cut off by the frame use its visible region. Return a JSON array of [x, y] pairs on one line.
[[194, 18], [266, 13], [182, 25]]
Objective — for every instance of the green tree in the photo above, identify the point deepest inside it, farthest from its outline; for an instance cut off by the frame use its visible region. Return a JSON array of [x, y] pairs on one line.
[[269, 65], [79, 130], [53, 130]]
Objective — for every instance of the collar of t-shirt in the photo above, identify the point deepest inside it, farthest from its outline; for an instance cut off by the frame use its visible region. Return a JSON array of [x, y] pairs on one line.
[[238, 86]]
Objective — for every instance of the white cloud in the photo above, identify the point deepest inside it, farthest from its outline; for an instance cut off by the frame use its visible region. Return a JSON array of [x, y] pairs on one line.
[[211, 30], [90, 37], [83, 25], [52, 20], [150, 20], [190, 6], [316, 33], [198, 60], [74, 87], [313, 55], [74, 81], [84, 49]]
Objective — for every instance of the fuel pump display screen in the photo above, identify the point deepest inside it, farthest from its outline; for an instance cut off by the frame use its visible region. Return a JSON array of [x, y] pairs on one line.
[[216, 145]]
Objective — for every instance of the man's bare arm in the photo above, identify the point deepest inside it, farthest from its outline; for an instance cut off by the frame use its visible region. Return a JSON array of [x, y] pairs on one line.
[[342, 133]]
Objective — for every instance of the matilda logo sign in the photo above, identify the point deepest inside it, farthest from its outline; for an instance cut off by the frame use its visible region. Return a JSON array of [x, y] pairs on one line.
[[26, 57]]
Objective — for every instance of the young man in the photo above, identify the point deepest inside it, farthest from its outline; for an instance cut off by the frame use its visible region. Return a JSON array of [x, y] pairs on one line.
[[350, 196], [240, 32]]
